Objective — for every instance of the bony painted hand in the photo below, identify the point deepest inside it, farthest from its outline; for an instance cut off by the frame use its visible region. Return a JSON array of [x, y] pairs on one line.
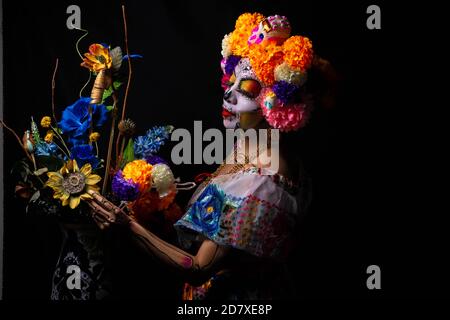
[[105, 212]]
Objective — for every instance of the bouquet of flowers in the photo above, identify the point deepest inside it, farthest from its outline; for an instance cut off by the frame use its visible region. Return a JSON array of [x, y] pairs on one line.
[[63, 165]]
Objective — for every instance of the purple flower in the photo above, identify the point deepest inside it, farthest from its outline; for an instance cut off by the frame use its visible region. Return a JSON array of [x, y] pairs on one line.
[[284, 91], [155, 160], [124, 189], [231, 63]]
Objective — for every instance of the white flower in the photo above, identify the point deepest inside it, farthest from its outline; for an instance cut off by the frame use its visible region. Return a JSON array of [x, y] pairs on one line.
[[226, 50], [285, 73]]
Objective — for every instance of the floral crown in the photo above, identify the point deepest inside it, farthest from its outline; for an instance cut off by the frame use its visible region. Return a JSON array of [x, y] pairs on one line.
[[280, 62]]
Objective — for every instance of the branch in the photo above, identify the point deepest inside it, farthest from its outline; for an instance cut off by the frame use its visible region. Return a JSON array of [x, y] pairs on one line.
[[53, 90], [110, 145], [18, 139], [130, 71], [129, 63]]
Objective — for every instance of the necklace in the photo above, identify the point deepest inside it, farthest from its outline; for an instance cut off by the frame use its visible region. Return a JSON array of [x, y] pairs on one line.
[[223, 169]]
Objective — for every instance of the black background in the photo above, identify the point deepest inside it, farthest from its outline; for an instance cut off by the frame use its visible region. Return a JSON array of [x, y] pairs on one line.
[[368, 204]]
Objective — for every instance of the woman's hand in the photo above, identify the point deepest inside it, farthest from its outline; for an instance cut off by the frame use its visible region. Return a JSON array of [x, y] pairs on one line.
[[105, 212], [196, 268]]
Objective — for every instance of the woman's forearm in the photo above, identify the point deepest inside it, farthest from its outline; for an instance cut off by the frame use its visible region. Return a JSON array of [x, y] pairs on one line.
[[195, 269]]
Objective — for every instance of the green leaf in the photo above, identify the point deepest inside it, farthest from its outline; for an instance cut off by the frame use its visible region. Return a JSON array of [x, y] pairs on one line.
[[108, 92], [128, 153], [21, 170], [35, 131], [109, 108]]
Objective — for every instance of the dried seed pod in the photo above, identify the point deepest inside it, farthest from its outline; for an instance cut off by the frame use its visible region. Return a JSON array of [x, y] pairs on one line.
[[127, 127]]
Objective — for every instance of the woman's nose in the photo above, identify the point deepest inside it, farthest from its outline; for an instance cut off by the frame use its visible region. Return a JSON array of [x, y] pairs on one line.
[[228, 97]]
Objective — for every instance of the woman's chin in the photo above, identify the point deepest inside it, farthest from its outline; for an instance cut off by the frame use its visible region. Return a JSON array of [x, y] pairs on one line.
[[230, 122]]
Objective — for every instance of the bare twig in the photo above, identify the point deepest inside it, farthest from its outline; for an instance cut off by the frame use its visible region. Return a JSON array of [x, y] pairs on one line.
[[129, 63], [125, 99], [18, 140], [55, 130], [110, 144], [120, 157], [53, 90], [119, 136]]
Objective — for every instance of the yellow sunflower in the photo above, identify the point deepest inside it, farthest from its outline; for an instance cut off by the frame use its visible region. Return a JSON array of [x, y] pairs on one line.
[[71, 184], [98, 58]]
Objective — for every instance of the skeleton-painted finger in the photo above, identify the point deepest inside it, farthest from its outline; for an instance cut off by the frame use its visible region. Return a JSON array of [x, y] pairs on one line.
[[105, 203], [98, 210]]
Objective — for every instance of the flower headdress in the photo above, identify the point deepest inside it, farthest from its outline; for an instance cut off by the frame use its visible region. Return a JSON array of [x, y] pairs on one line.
[[280, 62]]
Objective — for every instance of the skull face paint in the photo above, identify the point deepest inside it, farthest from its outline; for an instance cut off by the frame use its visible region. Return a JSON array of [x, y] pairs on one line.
[[241, 95]]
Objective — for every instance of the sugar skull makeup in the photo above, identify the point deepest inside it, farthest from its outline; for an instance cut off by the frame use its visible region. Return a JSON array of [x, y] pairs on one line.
[[241, 95]]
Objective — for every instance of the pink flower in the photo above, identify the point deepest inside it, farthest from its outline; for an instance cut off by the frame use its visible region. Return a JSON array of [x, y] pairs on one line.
[[286, 117]]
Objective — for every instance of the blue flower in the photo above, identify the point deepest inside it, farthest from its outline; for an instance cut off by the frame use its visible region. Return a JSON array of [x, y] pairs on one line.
[[145, 147], [84, 153], [154, 139], [46, 149], [132, 56], [206, 211], [76, 119]]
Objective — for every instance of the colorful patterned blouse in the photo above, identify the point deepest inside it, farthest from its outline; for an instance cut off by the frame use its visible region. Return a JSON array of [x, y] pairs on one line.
[[251, 210]]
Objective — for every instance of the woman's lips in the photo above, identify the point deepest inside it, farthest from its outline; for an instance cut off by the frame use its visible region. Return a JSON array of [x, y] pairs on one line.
[[227, 114]]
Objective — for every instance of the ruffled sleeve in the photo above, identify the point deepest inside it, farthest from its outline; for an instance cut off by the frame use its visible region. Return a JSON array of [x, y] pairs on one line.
[[245, 210]]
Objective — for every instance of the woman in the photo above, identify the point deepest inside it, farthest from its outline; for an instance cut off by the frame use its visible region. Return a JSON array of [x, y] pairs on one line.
[[239, 223]]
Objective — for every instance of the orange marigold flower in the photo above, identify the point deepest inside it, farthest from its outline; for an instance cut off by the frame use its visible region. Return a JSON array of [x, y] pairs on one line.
[[165, 202], [264, 58], [140, 172], [243, 30], [145, 205], [149, 203], [298, 52], [97, 59]]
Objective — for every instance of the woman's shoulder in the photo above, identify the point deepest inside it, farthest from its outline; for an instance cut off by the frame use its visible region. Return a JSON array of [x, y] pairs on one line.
[[252, 178]]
